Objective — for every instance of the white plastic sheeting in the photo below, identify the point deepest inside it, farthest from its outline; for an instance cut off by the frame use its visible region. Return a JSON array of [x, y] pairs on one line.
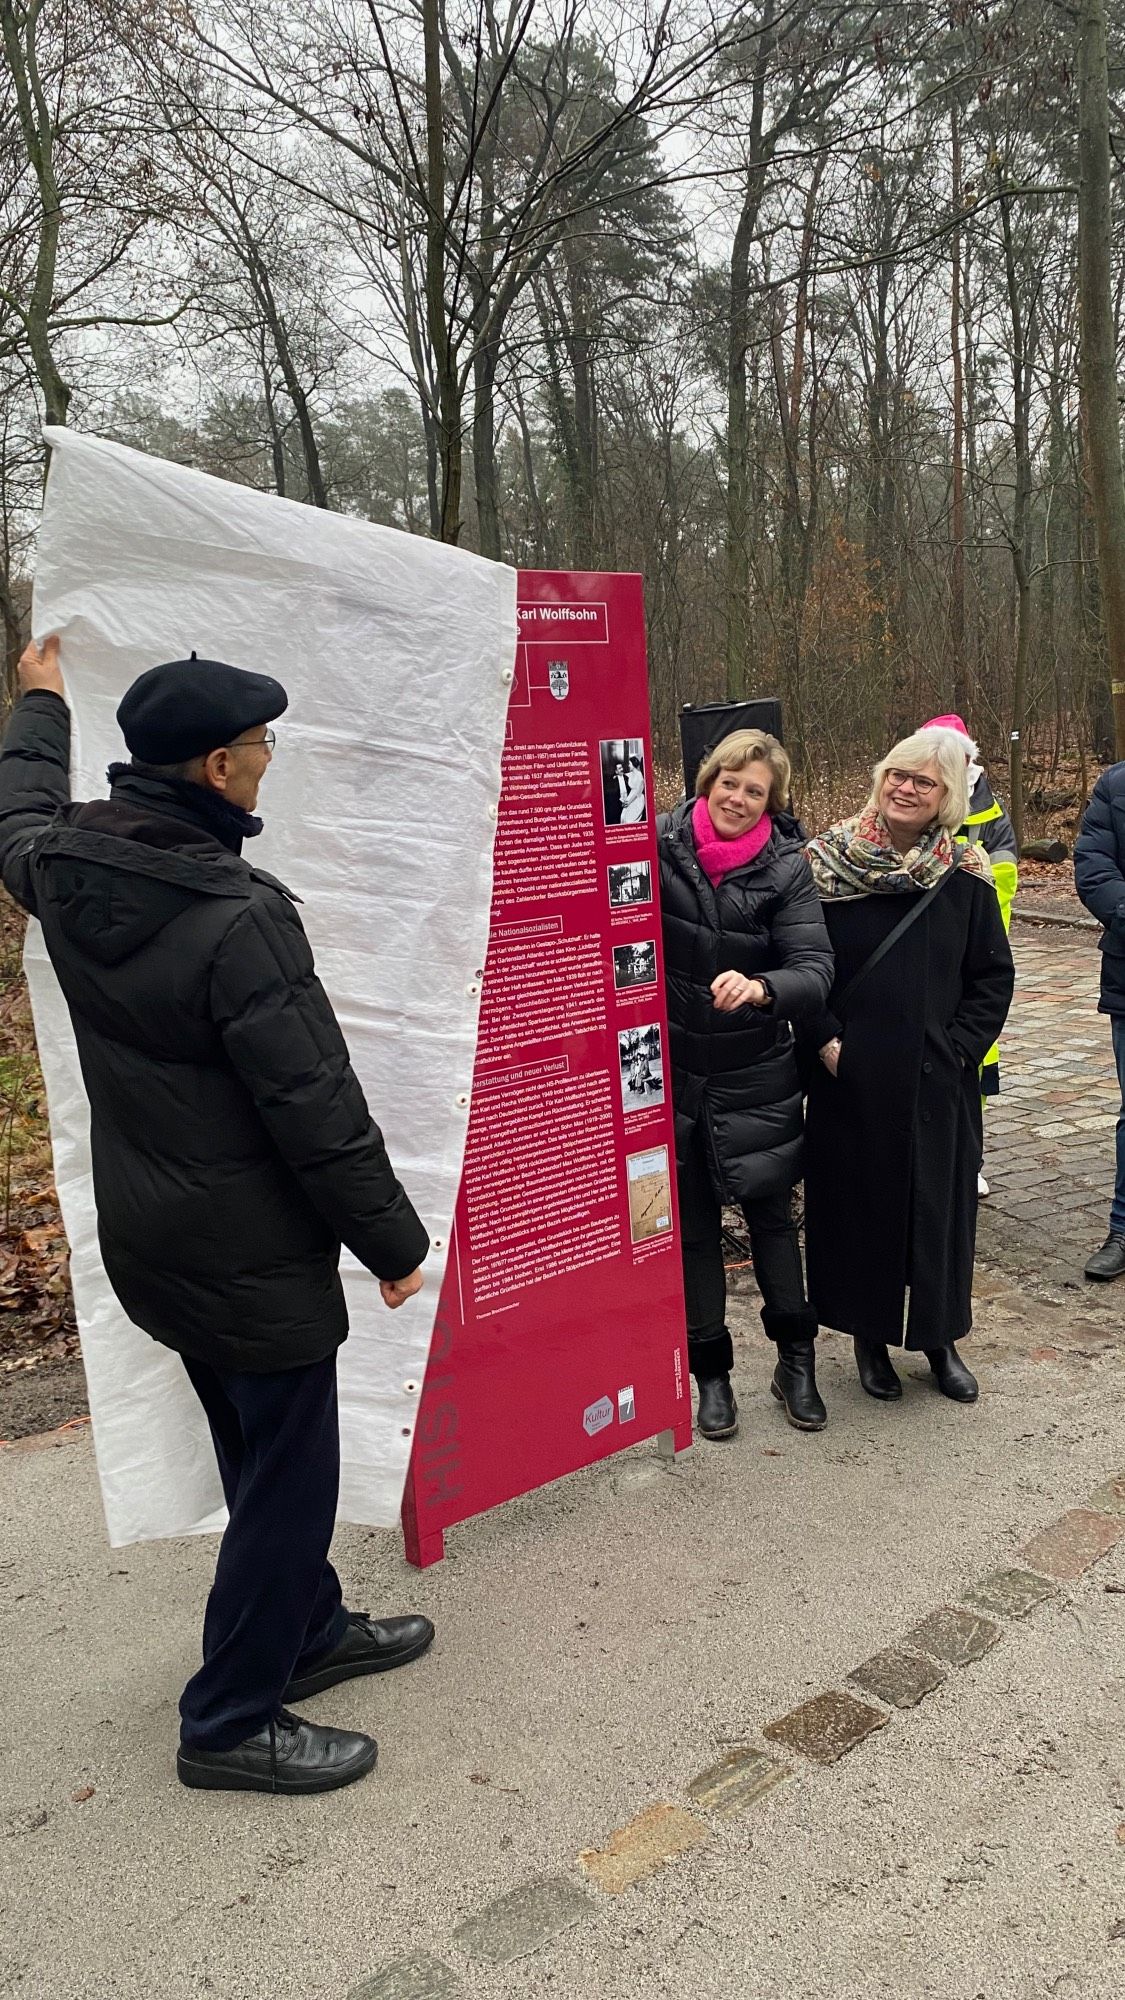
[[379, 806]]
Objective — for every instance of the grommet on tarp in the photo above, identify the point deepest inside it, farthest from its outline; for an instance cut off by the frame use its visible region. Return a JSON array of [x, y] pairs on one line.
[[493, 810], [506, 675], [461, 1099], [437, 1243], [410, 1388], [473, 988]]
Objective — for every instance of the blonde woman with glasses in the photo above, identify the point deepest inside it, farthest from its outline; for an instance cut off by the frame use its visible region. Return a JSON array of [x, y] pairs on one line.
[[923, 984]]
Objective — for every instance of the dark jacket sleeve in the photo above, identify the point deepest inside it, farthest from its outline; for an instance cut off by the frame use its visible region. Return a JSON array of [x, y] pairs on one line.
[[280, 1032], [988, 977], [34, 783], [802, 979], [1098, 875]]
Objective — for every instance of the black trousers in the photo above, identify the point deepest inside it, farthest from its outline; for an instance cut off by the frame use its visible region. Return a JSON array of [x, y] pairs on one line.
[[276, 1603], [776, 1251]]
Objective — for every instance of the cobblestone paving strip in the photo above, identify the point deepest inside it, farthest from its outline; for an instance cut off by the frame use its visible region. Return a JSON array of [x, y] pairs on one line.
[[1056, 1056], [827, 1727], [900, 1679], [957, 1637], [1110, 1498], [524, 1919], [1068, 1548], [642, 1846], [1012, 1593], [416, 1978], [737, 1781]]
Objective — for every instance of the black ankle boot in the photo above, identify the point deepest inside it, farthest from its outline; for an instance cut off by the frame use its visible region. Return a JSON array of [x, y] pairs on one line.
[[718, 1411], [951, 1375], [794, 1378], [794, 1385], [875, 1371]]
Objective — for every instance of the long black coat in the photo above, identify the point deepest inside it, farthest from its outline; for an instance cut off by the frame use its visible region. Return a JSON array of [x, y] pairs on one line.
[[232, 1147], [737, 1072], [893, 1141]]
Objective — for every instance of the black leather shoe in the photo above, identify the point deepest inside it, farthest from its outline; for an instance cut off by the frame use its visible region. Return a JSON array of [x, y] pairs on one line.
[[875, 1371], [1109, 1261], [288, 1755], [718, 1411], [369, 1646], [794, 1385], [951, 1375]]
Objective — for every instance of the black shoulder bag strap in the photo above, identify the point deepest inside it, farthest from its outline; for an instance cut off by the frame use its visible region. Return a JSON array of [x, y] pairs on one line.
[[917, 905]]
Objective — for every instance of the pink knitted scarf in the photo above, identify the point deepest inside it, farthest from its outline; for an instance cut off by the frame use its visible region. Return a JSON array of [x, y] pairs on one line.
[[718, 856]]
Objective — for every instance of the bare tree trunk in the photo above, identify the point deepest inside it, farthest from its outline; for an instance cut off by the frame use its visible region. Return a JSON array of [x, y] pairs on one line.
[[1098, 356], [1023, 346], [445, 360], [37, 127], [738, 435], [957, 509]]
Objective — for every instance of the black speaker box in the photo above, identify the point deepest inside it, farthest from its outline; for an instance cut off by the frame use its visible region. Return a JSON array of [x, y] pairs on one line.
[[704, 724]]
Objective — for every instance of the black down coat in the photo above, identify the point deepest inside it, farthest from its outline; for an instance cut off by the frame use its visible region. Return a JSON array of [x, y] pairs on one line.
[[232, 1147], [1099, 877], [737, 1073], [893, 1141]]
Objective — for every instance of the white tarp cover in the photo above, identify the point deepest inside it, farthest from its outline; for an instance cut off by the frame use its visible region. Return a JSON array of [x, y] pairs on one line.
[[379, 813]]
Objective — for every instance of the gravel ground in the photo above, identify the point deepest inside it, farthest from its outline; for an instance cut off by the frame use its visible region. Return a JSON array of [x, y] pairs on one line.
[[600, 1642]]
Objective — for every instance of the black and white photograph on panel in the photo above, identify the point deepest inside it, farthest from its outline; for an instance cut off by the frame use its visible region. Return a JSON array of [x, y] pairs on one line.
[[624, 791], [642, 1067], [629, 882], [634, 965]]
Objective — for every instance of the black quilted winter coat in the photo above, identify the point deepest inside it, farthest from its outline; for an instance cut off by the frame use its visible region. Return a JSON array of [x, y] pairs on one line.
[[1099, 877], [232, 1146], [737, 1073]]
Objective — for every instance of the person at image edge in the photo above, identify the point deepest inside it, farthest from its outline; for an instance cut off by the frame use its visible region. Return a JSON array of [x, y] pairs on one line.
[[924, 980], [232, 1154], [746, 954], [1099, 877]]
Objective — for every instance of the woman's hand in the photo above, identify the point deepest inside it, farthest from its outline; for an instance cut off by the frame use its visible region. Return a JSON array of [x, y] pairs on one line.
[[830, 1055], [730, 990]]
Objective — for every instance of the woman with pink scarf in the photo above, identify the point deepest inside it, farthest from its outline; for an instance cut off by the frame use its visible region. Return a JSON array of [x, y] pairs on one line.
[[746, 956]]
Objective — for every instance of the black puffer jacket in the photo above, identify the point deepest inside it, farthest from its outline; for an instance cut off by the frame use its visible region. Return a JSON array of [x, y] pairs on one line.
[[1099, 877], [232, 1147], [738, 1072]]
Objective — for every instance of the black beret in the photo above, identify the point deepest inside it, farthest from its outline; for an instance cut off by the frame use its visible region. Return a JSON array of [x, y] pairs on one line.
[[187, 707]]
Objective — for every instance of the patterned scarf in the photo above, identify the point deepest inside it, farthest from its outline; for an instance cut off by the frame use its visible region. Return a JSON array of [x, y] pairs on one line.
[[857, 857]]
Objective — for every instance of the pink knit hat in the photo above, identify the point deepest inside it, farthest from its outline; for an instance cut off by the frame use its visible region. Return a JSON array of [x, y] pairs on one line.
[[947, 722]]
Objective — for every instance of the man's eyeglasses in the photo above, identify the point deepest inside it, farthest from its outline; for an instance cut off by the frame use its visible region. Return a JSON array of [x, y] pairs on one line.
[[265, 742], [923, 786]]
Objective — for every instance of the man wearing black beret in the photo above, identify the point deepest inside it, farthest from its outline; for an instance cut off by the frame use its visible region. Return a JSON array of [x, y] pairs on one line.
[[233, 1153]]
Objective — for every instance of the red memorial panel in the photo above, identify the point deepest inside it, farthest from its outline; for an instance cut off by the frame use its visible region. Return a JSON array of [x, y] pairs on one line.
[[559, 1336]]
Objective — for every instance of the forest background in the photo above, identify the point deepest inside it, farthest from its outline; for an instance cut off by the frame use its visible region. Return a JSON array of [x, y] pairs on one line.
[[778, 304]]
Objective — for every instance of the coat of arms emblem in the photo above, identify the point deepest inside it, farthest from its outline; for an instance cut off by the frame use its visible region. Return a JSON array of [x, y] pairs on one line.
[[558, 674]]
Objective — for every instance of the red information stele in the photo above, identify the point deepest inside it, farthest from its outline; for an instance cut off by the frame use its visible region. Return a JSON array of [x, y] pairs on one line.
[[559, 1337]]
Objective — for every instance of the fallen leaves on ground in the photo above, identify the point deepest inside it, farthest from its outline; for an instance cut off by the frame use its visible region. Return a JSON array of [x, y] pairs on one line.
[[36, 1309]]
